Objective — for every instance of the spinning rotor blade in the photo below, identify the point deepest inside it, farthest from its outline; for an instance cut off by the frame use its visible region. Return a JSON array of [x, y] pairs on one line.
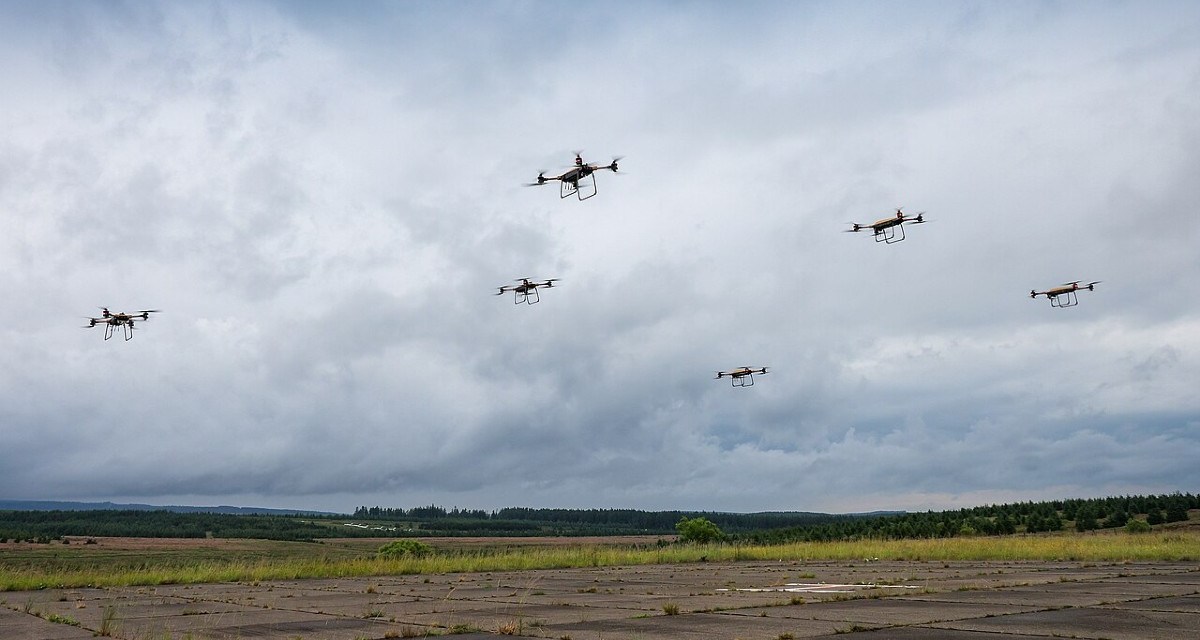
[[539, 181]]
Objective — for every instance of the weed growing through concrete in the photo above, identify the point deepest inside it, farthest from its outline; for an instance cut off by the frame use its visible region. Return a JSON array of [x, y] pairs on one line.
[[108, 621]]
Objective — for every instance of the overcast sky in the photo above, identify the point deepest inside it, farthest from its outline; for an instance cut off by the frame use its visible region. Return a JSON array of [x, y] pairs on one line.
[[323, 197]]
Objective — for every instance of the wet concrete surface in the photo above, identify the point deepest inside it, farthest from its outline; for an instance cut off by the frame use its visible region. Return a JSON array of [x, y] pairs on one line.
[[743, 601]]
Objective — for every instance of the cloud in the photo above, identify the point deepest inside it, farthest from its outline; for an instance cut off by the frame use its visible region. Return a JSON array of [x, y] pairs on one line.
[[324, 201]]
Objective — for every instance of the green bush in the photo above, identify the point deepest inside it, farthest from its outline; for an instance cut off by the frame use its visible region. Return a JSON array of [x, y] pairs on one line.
[[1137, 526], [401, 548], [698, 530]]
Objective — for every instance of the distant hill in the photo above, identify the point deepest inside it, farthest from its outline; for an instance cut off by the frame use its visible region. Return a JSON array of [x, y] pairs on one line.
[[52, 505]]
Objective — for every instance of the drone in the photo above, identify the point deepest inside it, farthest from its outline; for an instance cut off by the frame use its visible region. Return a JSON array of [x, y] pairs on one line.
[[741, 376], [120, 319], [890, 229], [1064, 296], [527, 291], [580, 175]]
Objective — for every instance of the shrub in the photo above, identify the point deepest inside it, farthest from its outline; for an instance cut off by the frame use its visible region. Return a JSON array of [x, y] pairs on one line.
[[1137, 526], [698, 530], [401, 548]]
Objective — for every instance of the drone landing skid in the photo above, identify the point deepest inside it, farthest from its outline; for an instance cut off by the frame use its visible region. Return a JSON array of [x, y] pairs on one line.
[[583, 189], [890, 235], [1064, 300], [744, 381], [529, 297], [110, 330]]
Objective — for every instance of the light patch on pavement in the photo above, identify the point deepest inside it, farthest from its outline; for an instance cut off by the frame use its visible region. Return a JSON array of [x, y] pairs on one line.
[[822, 587]]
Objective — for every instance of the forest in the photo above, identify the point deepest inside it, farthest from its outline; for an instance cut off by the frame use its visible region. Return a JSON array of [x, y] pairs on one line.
[[757, 528]]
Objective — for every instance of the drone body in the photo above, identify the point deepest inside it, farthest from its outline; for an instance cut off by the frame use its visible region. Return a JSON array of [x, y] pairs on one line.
[[741, 376], [1064, 296], [112, 321], [527, 290], [578, 180], [890, 229]]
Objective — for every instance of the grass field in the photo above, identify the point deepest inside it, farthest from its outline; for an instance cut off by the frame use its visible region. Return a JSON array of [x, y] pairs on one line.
[[123, 562]]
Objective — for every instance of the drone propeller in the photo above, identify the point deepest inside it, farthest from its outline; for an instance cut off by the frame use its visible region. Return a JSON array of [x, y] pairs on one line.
[[854, 227], [920, 218], [613, 166], [104, 312], [1033, 293], [541, 180], [1091, 286]]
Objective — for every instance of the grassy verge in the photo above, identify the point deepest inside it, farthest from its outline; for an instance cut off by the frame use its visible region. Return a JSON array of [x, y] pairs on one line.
[[300, 561]]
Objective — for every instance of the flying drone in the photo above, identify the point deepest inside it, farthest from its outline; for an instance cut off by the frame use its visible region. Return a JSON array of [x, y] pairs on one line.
[[120, 319], [578, 180], [890, 229], [741, 376], [527, 291], [1064, 296]]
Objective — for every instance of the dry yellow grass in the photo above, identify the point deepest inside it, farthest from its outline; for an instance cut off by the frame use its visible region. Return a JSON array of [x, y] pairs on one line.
[[298, 561]]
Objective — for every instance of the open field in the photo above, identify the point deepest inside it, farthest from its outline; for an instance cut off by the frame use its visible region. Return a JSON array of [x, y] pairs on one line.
[[751, 600], [131, 562]]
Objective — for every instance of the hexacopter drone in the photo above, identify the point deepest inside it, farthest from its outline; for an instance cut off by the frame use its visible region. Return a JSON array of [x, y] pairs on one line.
[[527, 290], [741, 376], [1064, 296], [120, 319], [885, 229], [578, 180]]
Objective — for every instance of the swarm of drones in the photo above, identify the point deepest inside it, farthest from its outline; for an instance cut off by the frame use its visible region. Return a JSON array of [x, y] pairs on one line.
[[580, 181]]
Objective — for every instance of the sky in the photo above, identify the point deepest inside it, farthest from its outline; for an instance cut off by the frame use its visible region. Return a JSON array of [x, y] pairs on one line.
[[323, 199]]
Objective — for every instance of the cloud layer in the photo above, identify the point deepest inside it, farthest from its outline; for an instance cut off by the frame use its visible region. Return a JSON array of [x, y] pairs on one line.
[[323, 199]]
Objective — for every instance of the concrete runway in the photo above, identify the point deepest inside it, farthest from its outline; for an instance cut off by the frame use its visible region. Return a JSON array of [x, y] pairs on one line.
[[744, 600]]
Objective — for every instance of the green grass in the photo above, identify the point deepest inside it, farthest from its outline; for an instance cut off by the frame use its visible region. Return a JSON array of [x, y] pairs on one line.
[[76, 567]]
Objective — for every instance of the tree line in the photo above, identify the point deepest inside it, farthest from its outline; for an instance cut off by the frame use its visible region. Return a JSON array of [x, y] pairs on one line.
[[45, 525], [767, 528], [1026, 517], [591, 521]]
